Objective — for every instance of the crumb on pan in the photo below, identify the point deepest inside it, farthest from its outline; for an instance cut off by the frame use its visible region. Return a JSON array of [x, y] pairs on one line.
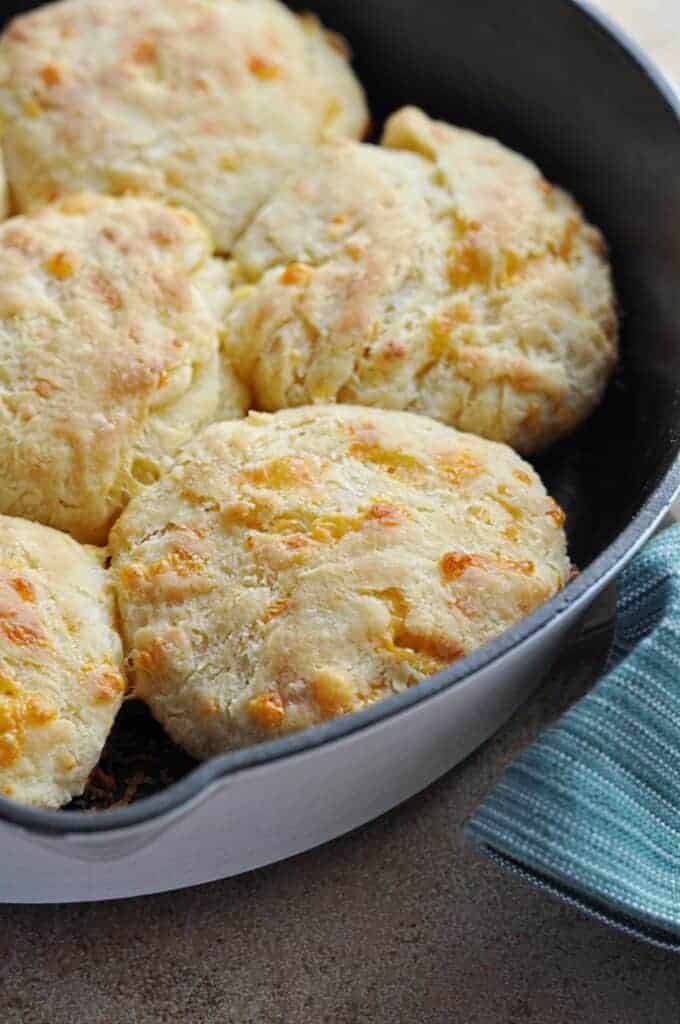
[[138, 760]]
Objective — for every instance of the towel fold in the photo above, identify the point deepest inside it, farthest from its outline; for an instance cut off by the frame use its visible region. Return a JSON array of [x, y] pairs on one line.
[[591, 811]]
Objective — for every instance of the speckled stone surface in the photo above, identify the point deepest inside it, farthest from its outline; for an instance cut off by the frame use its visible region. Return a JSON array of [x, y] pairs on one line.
[[394, 924]]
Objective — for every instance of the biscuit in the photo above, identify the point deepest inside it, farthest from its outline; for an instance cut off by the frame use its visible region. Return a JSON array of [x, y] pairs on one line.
[[296, 566], [61, 680], [109, 355], [4, 194], [205, 104], [438, 273]]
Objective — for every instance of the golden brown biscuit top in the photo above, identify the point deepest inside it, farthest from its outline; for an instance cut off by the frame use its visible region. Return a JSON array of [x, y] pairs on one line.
[[109, 353], [61, 679], [205, 103], [439, 273], [297, 566]]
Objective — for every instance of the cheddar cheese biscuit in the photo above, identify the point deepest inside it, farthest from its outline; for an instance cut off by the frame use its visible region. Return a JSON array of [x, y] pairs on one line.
[[438, 273], [297, 566], [61, 680], [109, 342], [205, 103]]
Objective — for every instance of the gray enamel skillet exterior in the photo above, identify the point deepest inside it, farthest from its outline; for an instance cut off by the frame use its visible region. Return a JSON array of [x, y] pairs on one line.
[[548, 79]]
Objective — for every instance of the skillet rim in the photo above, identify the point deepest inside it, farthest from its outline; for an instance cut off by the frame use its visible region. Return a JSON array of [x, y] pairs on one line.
[[172, 800]]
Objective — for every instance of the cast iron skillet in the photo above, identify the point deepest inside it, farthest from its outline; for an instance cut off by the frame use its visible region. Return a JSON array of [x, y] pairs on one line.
[[557, 82]]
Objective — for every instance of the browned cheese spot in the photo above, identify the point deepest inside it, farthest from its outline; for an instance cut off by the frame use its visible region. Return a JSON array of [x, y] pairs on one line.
[[51, 75], [62, 265], [296, 273], [267, 710], [333, 692], [263, 68]]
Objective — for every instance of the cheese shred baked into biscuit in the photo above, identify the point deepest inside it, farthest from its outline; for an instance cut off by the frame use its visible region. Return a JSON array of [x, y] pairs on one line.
[[61, 680], [206, 103], [297, 566], [439, 273], [109, 348]]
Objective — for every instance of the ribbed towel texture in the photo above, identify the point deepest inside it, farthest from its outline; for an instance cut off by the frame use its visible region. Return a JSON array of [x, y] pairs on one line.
[[591, 811]]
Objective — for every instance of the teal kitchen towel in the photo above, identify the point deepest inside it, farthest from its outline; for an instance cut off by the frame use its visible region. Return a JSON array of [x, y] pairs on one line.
[[591, 811]]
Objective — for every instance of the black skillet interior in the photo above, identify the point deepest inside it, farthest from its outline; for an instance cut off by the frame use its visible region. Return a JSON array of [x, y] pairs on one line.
[[553, 84]]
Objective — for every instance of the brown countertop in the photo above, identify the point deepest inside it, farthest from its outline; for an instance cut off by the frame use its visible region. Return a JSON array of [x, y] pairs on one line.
[[394, 924]]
